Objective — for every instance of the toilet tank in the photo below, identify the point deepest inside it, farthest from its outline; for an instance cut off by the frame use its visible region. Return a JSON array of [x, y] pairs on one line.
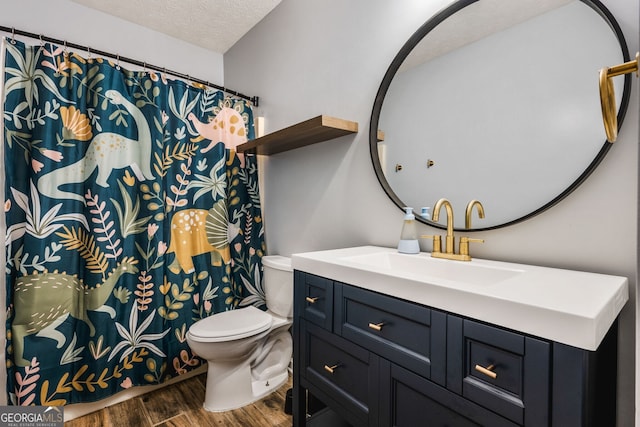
[[278, 284]]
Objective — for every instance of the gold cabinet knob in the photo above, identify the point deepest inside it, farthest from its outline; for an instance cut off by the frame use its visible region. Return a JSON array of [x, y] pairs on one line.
[[331, 368], [311, 300], [376, 326], [488, 371]]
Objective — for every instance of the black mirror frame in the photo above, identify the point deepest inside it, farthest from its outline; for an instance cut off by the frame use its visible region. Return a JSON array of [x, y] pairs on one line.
[[418, 36]]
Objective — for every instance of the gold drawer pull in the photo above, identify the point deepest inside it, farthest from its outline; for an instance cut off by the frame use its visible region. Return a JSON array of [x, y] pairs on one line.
[[330, 369], [488, 371], [311, 300], [376, 326]]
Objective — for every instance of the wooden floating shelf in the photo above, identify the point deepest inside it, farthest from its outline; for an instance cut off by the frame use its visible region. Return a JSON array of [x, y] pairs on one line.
[[317, 129]]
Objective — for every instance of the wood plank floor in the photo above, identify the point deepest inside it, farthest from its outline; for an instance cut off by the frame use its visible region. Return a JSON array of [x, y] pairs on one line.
[[180, 405]]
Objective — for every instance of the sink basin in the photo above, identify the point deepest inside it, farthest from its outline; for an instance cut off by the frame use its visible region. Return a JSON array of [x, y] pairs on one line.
[[424, 266], [575, 308]]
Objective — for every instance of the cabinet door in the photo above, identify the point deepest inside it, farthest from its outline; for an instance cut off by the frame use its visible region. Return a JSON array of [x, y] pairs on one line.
[[408, 334], [313, 299], [504, 371], [342, 374], [408, 400]]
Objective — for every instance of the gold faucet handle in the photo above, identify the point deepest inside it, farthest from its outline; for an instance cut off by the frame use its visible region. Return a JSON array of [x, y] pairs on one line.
[[437, 241], [464, 244]]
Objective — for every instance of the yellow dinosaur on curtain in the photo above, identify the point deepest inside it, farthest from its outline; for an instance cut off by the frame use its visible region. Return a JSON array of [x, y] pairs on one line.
[[198, 231]]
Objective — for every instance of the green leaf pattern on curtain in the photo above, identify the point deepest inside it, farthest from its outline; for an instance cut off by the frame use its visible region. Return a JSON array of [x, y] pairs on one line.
[[129, 216]]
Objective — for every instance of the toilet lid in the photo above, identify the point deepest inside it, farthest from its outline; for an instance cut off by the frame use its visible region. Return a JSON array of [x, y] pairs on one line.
[[231, 325]]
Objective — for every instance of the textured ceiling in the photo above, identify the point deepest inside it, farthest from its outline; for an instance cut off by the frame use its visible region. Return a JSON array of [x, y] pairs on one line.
[[212, 24]]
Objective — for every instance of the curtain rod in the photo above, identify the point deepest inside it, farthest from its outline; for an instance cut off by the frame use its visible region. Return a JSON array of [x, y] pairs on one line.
[[253, 99]]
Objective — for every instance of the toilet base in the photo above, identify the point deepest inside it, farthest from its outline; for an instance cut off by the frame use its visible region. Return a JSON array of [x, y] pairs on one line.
[[264, 388], [234, 391]]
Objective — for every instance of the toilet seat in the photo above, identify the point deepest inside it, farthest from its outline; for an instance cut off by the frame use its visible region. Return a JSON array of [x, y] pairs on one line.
[[231, 325]]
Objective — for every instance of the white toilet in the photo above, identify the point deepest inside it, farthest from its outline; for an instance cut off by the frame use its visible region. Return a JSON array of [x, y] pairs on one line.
[[248, 350]]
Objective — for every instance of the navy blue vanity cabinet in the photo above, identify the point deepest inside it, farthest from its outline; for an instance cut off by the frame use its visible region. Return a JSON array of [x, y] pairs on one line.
[[341, 374], [314, 297], [503, 371], [410, 400], [584, 385], [408, 334], [338, 372], [376, 360]]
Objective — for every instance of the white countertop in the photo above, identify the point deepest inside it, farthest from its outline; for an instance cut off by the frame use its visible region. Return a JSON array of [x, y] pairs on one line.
[[572, 307]]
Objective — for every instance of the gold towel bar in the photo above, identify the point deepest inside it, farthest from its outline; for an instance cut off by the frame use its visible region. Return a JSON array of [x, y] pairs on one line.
[[608, 96]]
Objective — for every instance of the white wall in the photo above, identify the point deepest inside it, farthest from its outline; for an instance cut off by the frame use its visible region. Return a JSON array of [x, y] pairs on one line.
[[328, 57], [66, 20]]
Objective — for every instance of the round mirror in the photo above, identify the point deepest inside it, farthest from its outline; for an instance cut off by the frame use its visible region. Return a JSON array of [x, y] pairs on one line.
[[497, 100]]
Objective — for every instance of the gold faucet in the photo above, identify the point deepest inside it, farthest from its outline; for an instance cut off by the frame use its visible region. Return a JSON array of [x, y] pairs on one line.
[[450, 252], [450, 241], [467, 218]]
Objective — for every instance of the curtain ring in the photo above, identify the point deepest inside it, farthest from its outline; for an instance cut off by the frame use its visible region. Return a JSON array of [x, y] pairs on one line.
[[41, 41], [118, 62], [144, 68], [13, 36], [89, 53]]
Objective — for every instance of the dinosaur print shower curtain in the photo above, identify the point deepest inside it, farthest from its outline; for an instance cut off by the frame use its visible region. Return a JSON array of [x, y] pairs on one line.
[[128, 217]]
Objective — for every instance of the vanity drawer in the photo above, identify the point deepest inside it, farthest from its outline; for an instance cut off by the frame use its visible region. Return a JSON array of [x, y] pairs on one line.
[[409, 334], [314, 296], [501, 370], [409, 400], [342, 372]]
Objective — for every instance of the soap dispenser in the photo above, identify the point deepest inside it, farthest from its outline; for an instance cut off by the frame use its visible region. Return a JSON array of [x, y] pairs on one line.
[[425, 213], [409, 234]]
